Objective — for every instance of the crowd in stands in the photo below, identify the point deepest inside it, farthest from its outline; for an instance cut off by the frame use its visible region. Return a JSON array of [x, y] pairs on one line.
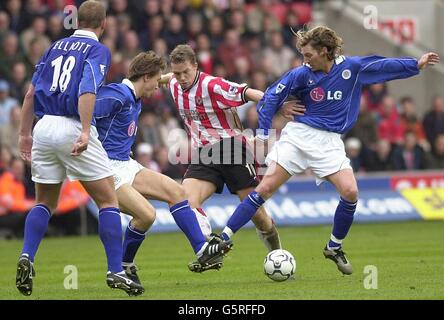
[[240, 40]]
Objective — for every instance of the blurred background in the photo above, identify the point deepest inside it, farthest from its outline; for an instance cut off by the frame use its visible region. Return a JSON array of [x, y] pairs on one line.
[[400, 128]]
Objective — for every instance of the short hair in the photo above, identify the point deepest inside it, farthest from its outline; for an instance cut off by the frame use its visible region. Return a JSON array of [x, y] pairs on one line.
[[91, 14], [183, 53], [318, 38], [145, 63]]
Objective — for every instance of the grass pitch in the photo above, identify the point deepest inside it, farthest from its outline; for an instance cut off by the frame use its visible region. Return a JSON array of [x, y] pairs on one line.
[[408, 256]]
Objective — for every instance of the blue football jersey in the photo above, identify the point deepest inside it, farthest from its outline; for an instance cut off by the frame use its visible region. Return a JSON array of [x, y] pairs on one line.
[[332, 100], [70, 67], [116, 113]]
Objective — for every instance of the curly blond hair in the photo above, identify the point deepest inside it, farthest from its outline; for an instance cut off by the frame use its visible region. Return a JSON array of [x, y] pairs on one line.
[[320, 37]]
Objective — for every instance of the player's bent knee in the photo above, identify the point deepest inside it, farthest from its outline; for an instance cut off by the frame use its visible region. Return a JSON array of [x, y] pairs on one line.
[[350, 194], [265, 190]]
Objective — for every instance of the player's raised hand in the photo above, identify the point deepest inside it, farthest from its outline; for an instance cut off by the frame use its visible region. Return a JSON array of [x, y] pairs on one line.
[[81, 144], [293, 108], [428, 59], [25, 146]]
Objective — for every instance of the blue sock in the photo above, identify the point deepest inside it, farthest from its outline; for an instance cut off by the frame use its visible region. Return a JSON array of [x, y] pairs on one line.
[[342, 222], [110, 231], [131, 243], [186, 220], [36, 225], [243, 213]]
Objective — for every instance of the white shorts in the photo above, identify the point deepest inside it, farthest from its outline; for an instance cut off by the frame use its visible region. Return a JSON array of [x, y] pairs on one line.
[[125, 171], [52, 162], [302, 147]]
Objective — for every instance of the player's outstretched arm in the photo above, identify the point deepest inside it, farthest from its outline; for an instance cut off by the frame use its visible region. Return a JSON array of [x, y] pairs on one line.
[[428, 59], [165, 79], [27, 118], [253, 95]]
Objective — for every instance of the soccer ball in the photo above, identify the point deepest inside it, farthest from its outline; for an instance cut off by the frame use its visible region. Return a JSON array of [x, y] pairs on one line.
[[279, 265]]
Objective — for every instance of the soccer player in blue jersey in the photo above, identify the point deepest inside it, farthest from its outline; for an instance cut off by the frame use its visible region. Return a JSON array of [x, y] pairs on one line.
[[65, 144], [329, 85], [118, 106]]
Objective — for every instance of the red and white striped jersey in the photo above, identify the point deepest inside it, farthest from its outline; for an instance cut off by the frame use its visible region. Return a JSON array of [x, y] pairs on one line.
[[207, 108]]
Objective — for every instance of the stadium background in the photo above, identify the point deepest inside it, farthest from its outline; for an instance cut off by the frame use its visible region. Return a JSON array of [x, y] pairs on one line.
[[400, 129]]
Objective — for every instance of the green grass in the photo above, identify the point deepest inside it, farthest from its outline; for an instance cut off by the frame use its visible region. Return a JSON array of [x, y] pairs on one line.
[[409, 257]]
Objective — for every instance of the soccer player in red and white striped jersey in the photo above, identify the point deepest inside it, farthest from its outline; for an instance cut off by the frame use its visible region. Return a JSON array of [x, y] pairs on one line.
[[207, 106]]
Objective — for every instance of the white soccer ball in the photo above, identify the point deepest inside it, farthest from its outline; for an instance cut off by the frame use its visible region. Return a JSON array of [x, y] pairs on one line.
[[279, 265]]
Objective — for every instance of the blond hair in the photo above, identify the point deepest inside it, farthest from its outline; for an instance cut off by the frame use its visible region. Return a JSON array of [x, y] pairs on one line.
[[318, 38], [145, 63], [183, 53], [91, 14]]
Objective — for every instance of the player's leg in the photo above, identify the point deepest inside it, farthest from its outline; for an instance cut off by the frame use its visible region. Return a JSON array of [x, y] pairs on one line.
[[48, 173], [265, 227], [200, 182], [110, 229], [158, 186], [275, 176], [92, 168], [198, 191], [329, 161], [346, 185], [36, 225], [133, 203], [110, 232]]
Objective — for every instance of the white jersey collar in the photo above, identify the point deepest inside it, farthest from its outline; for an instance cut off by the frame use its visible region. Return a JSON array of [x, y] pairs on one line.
[[85, 34], [130, 85]]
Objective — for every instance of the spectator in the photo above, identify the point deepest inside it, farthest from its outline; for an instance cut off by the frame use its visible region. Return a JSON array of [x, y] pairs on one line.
[[290, 27], [374, 94], [381, 159], [216, 32], [409, 156], [9, 53], [194, 29], [353, 151], [251, 119], [278, 54], [230, 50], [4, 25], [9, 133], [55, 29], [144, 156], [204, 56], [389, 126], [18, 21], [149, 130], [173, 171], [175, 33], [36, 50], [365, 127], [153, 31], [18, 83], [12, 189], [434, 120], [6, 103], [410, 122], [256, 17], [37, 29], [130, 45], [435, 159]]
